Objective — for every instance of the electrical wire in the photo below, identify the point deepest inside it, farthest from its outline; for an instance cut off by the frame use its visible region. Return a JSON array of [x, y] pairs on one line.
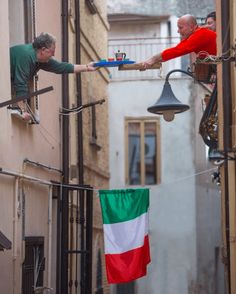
[[71, 112], [70, 109], [40, 127], [79, 109], [168, 183]]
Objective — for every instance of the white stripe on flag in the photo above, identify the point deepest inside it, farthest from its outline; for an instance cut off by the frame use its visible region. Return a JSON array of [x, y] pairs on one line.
[[125, 236]]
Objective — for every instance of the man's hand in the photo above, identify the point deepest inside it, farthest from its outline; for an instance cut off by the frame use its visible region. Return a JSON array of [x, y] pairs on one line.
[[90, 66], [150, 62], [146, 64], [84, 67]]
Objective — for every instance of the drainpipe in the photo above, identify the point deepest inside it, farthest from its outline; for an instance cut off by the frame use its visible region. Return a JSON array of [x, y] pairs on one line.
[[49, 237], [85, 287], [227, 117], [79, 96], [15, 232], [62, 260]]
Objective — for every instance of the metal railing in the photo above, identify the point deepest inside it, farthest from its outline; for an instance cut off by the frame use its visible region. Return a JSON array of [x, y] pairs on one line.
[[140, 49], [75, 235]]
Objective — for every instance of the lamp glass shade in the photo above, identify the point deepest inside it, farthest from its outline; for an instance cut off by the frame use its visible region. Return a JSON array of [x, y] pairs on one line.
[[167, 105]]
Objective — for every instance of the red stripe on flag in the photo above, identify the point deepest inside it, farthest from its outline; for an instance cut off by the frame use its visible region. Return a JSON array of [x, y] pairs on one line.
[[128, 266]]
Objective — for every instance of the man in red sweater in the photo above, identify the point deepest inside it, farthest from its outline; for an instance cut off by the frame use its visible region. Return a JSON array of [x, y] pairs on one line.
[[193, 39]]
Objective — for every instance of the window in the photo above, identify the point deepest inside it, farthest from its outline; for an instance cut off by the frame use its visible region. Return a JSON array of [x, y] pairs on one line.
[[32, 105], [29, 18], [22, 30], [33, 265], [93, 140], [142, 151]]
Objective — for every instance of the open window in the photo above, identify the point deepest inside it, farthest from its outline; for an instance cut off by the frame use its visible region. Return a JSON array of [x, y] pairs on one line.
[[22, 30]]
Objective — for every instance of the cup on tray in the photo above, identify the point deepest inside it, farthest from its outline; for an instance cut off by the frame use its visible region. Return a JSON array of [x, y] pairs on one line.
[[120, 55]]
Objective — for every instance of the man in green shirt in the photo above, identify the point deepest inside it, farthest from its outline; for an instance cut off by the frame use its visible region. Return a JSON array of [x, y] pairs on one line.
[[27, 59]]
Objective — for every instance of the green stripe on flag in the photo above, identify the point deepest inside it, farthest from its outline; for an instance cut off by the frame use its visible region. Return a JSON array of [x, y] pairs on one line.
[[123, 205]]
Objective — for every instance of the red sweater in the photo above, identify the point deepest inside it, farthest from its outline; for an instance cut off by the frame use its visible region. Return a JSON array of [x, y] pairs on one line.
[[200, 40]]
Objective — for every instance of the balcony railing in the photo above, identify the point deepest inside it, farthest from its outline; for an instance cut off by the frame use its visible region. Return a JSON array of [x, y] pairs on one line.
[[140, 49]]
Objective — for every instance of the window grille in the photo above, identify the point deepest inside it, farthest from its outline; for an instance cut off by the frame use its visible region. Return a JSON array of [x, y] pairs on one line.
[[33, 265]]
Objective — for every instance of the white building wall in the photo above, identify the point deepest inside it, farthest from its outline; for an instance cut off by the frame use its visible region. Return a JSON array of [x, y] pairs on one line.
[[185, 206], [172, 203]]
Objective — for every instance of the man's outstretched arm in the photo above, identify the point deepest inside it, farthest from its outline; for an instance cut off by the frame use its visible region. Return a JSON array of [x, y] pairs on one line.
[[84, 67]]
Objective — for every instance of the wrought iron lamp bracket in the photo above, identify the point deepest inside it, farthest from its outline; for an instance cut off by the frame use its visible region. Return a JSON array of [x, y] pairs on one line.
[[187, 72], [224, 155]]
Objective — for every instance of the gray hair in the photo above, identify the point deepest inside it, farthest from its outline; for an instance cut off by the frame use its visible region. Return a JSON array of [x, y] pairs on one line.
[[44, 40]]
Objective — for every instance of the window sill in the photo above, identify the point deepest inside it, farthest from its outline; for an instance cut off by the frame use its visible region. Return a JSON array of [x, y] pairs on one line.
[[18, 114]]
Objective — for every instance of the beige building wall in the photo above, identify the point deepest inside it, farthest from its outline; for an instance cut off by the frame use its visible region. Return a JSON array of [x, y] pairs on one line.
[[25, 203], [232, 167], [93, 37], [26, 209], [228, 175]]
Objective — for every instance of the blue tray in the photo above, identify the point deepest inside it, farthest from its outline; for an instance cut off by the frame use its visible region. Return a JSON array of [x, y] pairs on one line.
[[112, 63]]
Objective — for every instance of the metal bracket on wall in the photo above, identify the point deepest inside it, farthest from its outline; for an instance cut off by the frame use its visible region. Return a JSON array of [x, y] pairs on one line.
[[26, 97], [222, 155]]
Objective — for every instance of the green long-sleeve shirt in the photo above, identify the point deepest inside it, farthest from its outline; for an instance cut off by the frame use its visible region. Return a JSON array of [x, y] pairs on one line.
[[24, 66]]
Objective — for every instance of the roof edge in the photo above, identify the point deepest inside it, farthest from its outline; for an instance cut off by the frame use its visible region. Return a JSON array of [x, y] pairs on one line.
[[130, 17]]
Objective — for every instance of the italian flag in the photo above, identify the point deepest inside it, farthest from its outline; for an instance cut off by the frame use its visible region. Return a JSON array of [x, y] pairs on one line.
[[125, 224]]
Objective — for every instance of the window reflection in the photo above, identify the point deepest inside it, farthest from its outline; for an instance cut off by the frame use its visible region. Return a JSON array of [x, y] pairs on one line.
[[150, 153], [134, 154]]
